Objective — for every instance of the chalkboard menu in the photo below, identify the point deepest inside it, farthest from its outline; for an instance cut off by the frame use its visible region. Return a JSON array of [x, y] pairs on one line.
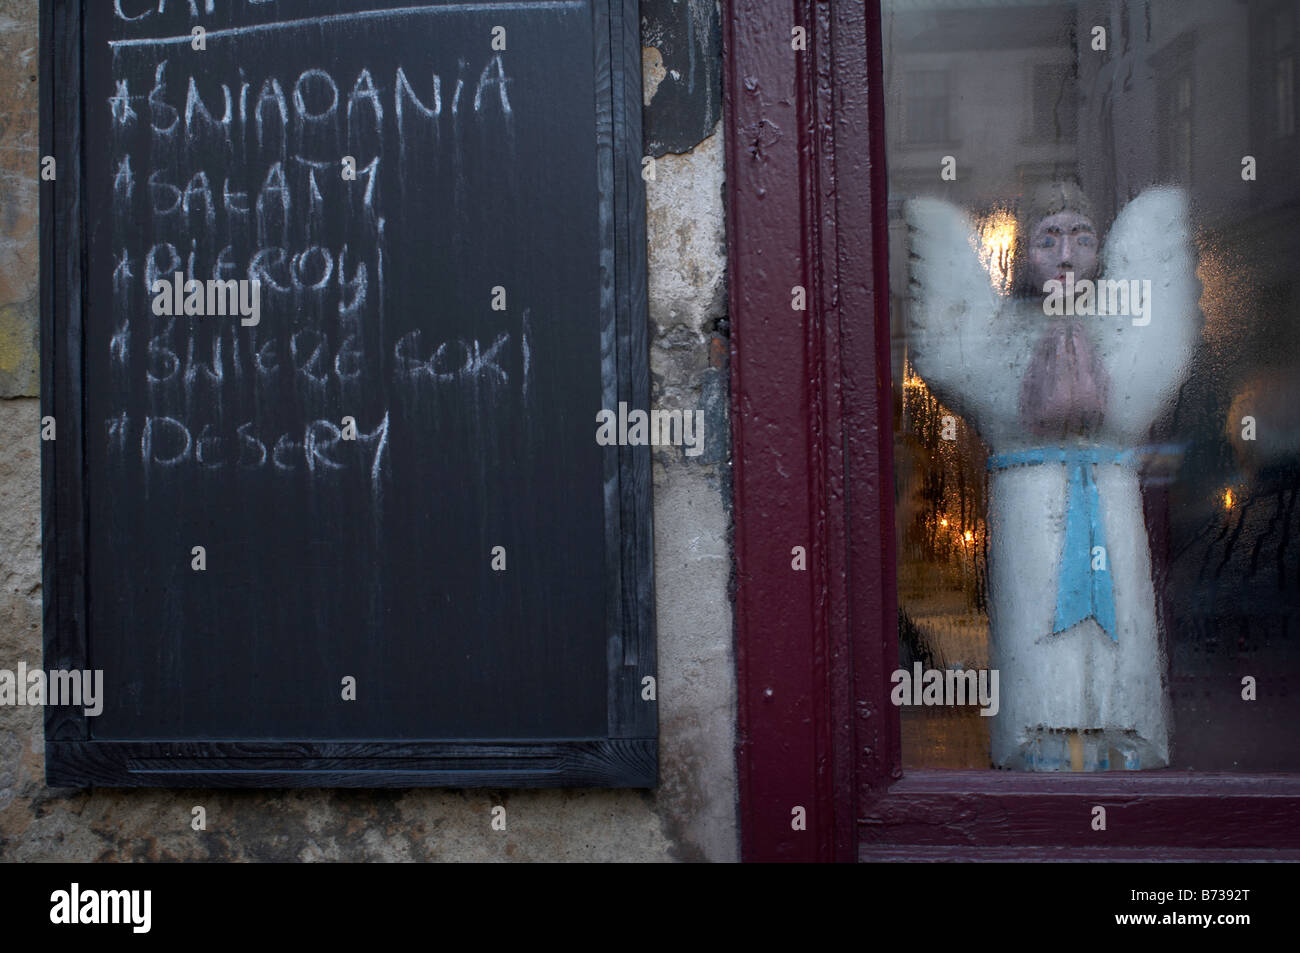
[[334, 292]]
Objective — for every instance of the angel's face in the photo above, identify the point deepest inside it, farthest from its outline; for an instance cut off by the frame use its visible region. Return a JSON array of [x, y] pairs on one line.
[[1061, 243]]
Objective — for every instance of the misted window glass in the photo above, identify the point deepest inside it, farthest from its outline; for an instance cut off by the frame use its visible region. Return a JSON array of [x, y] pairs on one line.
[[926, 116], [1094, 239]]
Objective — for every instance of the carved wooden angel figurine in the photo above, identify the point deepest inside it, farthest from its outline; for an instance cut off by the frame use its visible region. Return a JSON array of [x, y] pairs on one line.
[[1064, 391]]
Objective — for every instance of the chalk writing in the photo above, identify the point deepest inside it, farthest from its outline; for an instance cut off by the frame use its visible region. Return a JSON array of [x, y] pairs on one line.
[[276, 181]]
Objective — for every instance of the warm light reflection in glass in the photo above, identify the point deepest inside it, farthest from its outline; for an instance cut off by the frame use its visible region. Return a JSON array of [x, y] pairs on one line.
[[912, 381], [1227, 278], [997, 239]]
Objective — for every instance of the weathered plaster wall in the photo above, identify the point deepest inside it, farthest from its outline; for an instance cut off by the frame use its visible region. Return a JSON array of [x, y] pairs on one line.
[[691, 816], [19, 205]]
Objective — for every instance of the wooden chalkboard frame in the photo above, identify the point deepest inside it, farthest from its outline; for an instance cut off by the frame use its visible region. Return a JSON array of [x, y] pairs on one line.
[[626, 757]]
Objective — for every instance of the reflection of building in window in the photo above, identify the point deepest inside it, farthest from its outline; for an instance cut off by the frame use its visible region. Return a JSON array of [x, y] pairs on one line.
[[927, 108], [1285, 89], [1273, 117], [1055, 103], [961, 81], [1284, 73], [1183, 127], [1176, 139]]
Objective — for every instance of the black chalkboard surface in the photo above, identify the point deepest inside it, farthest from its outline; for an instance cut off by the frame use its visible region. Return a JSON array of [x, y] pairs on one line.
[[333, 293]]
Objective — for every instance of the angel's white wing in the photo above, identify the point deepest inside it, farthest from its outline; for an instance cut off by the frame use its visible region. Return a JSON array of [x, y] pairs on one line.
[[970, 350], [1147, 351]]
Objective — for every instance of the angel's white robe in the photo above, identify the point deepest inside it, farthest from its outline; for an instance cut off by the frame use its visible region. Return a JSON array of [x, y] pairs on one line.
[[973, 347]]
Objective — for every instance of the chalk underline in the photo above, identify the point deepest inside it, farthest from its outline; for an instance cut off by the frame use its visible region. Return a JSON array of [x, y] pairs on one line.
[[360, 15]]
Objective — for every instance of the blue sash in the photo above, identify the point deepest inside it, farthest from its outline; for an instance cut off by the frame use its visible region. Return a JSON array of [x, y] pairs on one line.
[[1081, 591]]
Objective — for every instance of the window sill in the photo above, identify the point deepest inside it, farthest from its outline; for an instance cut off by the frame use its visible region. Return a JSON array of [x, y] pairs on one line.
[[1159, 813]]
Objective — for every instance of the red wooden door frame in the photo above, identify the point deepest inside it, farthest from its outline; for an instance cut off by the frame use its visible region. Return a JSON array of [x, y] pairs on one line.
[[798, 411], [812, 428]]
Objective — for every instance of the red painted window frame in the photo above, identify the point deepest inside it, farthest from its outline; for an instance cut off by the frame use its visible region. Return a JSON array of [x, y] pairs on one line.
[[812, 430]]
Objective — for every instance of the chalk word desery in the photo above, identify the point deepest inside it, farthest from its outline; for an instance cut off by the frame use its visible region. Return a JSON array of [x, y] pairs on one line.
[[56, 687], [231, 297], [946, 687], [74, 905], [659, 428], [325, 446], [1103, 297]]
